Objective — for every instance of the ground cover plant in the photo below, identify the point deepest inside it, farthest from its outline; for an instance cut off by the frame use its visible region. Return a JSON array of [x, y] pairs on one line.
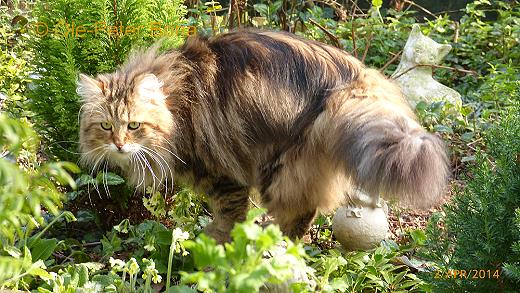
[[64, 229]]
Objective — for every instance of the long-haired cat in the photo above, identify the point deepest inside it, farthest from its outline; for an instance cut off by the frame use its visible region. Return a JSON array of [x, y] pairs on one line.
[[299, 121]]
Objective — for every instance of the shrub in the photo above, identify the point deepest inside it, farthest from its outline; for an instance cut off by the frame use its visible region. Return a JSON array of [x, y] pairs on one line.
[[478, 43], [28, 192], [14, 61], [481, 223]]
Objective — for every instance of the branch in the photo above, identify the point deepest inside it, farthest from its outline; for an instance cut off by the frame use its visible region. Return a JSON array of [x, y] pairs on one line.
[[230, 14], [356, 7], [392, 60], [436, 66], [420, 7], [352, 31], [332, 37], [367, 46], [456, 37]]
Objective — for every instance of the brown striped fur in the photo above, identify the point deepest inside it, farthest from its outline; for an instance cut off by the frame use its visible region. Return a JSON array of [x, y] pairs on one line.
[[300, 121]]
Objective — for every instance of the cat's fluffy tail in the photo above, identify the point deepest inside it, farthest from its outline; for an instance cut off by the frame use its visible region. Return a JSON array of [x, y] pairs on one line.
[[384, 148]]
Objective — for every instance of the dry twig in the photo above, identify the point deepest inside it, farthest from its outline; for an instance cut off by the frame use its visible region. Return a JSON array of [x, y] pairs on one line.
[[420, 7], [392, 60], [367, 46], [353, 33], [332, 37], [436, 66]]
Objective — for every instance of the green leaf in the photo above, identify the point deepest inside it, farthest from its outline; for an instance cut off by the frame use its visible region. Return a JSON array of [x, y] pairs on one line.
[[468, 136], [82, 272], [206, 252], [42, 248], [38, 269], [85, 179], [273, 8], [104, 280], [254, 213], [13, 251], [263, 9], [443, 128], [109, 178], [468, 159], [418, 236]]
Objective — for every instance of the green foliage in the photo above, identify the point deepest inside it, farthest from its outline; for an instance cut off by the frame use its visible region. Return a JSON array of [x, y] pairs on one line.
[[184, 208], [478, 43], [14, 65], [91, 37], [241, 266], [462, 127], [480, 223], [26, 188], [361, 271]]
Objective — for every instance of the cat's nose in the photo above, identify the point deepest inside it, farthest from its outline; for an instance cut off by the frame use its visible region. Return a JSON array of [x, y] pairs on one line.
[[119, 146]]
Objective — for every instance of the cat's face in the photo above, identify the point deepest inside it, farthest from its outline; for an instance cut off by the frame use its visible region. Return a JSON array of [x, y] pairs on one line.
[[420, 49], [124, 122]]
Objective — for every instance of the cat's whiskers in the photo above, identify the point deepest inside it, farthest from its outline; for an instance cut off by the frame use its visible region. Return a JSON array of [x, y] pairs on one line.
[[156, 158], [149, 166], [61, 141], [92, 150], [81, 110], [155, 145], [161, 168], [105, 180], [134, 162], [89, 159], [95, 167], [156, 155], [138, 160]]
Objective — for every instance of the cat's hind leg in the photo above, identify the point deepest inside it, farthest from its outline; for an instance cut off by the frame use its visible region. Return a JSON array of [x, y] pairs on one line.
[[296, 186], [228, 201]]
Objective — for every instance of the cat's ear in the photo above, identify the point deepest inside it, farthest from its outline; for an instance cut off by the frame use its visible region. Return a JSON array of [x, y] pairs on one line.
[[444, 50], [416, 30], [89, 88], [149, 88]]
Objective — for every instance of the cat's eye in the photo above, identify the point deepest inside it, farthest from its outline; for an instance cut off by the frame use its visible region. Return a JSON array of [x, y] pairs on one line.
[[133, 125], [106, 125]]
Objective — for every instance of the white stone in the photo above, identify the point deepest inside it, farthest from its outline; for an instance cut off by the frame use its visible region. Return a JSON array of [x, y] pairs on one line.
[[363, 230], [418, 84]]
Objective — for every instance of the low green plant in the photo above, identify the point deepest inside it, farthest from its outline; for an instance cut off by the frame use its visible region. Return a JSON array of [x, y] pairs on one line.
[[246, 263], [184, 208], [366, 271]]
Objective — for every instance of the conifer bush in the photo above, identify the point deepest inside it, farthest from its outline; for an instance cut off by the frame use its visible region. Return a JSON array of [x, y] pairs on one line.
[[482, 227]]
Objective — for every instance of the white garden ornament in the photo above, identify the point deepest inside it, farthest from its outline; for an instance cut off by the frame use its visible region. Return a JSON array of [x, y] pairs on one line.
[[414, 74], [362, 223]]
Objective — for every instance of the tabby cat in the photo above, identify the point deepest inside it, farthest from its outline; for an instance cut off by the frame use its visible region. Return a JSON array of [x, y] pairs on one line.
[[299, 121]]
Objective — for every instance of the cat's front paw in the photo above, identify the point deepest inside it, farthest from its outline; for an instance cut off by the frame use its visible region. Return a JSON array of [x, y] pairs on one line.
[[220, 235]]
